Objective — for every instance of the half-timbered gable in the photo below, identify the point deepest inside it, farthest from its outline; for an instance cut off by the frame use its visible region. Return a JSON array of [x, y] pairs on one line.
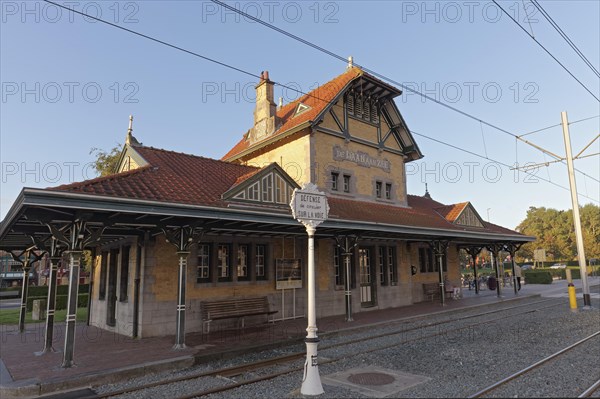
[[463, 214], [268, 186]]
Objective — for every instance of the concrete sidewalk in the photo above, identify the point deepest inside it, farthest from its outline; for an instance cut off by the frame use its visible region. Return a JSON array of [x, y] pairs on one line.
[[103, 357]]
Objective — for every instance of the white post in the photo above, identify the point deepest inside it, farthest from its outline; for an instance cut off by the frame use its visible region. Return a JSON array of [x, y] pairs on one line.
[[587, 304], [311, 383], [310, 207]]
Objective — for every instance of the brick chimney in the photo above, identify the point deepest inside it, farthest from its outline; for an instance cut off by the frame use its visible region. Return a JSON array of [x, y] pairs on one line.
[[265, 118]]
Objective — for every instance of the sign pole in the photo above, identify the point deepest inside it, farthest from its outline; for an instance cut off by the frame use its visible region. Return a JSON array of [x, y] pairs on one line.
[[309, 206]]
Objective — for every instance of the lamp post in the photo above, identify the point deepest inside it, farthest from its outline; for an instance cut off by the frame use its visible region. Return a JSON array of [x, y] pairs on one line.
[[310, 207]]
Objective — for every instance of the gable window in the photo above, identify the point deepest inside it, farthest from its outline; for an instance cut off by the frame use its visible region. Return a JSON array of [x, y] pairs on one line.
[[254, 192], [346, 183], [362, 107], [388, 191], [223, 262], [335, 181], [301, 108], [203, 269], [267, 188], [350, 103], [280, 190], [260, 262], [242, 262], [378, 186]]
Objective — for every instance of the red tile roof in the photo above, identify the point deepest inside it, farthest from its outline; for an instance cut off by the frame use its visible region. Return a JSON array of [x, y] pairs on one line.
[[451, 212], [169, 177], [422, 212], [188, 179], [317, 100]]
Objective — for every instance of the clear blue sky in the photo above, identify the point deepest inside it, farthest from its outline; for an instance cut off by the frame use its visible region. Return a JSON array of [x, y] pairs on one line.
[[69, 85]]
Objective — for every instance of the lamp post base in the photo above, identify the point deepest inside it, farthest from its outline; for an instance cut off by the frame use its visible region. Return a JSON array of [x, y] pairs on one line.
[[311, 383]]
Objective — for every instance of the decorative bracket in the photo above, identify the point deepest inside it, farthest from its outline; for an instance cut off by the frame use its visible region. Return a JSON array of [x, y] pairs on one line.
[[183, 237]]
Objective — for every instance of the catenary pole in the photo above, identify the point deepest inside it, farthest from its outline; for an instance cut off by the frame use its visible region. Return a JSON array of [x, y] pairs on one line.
[[576, 220]]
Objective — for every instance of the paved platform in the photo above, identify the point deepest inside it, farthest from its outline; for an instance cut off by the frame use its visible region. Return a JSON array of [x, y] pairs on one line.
[[104, 357]]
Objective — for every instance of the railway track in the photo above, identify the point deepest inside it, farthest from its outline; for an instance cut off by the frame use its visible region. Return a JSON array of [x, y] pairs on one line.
[[535, 366], [246, 374]]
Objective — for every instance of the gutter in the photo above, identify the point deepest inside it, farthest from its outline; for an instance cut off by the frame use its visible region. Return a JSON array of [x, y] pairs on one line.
[[35, 197]]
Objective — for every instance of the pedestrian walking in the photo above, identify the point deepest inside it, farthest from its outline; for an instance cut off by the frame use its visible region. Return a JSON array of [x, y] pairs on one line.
[[518, 275]]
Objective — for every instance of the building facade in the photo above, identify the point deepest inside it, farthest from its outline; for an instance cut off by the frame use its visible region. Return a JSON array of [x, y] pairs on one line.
[[170, 231]]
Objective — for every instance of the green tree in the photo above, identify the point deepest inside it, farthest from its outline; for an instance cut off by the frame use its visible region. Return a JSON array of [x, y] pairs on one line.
[[106, 162], [555, 233]]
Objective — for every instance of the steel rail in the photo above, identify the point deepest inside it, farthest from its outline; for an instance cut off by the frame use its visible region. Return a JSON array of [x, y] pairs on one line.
[[588, 392], [236, 370], [532, 367]]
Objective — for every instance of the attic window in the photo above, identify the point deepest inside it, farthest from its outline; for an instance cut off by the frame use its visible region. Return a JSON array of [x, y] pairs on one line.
[[301, 108], [362, 107]]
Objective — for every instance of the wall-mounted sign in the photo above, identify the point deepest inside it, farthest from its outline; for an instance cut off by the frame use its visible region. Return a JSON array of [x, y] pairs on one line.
[[288, 273], [360, 158]]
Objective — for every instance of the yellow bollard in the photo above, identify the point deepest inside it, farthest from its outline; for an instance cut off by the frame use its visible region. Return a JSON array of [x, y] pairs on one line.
[[572, 297]]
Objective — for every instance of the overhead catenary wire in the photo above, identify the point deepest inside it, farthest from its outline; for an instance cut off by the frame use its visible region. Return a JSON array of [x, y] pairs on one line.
[[557, 125], [528, 19], [223, 64], [380, 76], [499, 162], [564, 36], [546, 50]]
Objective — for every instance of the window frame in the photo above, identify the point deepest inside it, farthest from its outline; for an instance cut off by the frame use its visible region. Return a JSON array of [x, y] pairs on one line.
[[346, 182], [220, 265], [257, 265], [247, 265], [200, 266], [378, 189]]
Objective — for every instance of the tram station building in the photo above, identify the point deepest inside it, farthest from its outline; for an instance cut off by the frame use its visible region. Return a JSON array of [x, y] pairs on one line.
[[171, 231]]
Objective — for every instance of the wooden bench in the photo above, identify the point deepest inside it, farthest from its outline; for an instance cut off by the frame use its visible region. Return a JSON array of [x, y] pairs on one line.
[[432, 291], [237, 308]]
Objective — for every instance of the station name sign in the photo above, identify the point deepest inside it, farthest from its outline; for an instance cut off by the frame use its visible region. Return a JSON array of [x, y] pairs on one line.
[[360, 158], [309, 204]]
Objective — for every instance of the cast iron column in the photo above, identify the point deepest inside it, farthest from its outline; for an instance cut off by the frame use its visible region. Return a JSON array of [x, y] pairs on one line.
[[495, 250], [512, 249], [74, 266], [439, 248], [473, 252], [347, 244], [26, 263], [55, 259], [181, 282], [75, 236], [24, 291], [181, 238]]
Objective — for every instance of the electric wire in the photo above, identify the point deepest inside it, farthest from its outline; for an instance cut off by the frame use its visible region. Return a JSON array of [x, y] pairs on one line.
[[564, 36], [500, 163], [376, 74], [528, 19], [546, 50], [295, 89]]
